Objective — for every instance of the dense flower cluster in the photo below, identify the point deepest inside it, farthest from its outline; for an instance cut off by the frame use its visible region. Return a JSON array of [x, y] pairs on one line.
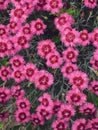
[[16, 36]]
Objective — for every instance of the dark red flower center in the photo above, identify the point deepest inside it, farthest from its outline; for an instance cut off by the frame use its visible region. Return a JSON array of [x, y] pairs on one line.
[[22, 40], [87, 111], [36, 120], [43, 80], [22, 116], [95, 87], [30, 72], [2, 31], [69, 69], [16, 63], [96, 37], [45, 102], [92, 1], [62, 20], [78, 81], [17, 74], [44, 113], [42, 3], [70, 55], [54, 4], [3, 47], [60, 126], [23, 105], [66, 113], [2, 95], [95, 125], [81, 126], [96, 63], [13, 24], [84, 36], [53, 59], [70, 37], [18, 13], [56, 108], [4, 72], [75, 98], [2, 1], [46, 49], [38, 26], [26, 30]]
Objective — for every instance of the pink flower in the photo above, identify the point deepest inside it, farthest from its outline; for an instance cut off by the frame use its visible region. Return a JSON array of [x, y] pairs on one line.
[[54, 6], [64, 20], [56, 107], [70, 54], [4, 4], [93, 87], [75, 97], [79, 124], [79, 79], [69, 37], [3, 116], [22, 116], [18, 14], [30, 70], [17, 61], [90, 3], [38, 26], [43, 80], [23, 103], [41, 5], [66, 111], [5, 73], [37, 119], [44, 47], [87, 109], [17, 92], [94, 37], [18, 75], [93, 124], [5, 94], [54, 60], [3, 31], [44, 113], [59, 124], [46, 100], [84, 38], [68, 68]]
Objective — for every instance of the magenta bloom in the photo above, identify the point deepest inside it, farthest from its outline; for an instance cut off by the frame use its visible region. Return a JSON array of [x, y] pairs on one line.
[[56, 107], [17, 61], [66, 112], [18, 75], [43, 80], [54, 60], [54, 6], [37, 119], [30, 70], [79, 79], [75, 97], [41, 5], [3, 116], [69, 37], [79, 124], [38, 26], [4, 4], [23, 103], [5, 94], [5, 73], [3, 31], [59, 124], [94, 37], [87, 109], [22, 116], [45, 47], [90, 3], [44, 112], [68, 68], [93, 124], [63, 21], [93, 87], [46, 100], [70, 54], [17, 92]]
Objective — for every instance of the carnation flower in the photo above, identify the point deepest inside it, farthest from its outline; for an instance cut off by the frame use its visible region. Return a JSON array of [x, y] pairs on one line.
[[44, 47], [59, 124], [94, 60], [41, 5], [46, 100], [22, 116], [5, 73], [17, 92], [17, 61], [66, 111], [90, 3], [70, 54], [68, 68], [38, 26], [63, 21], [44, 113], [43, 80], [93, 87], [87, 109], [56, 107], [94, 37], [69, 37], [54, 60], [37, 119], [79, 124], [23, 104], [3, 116], [4, 4], [5, 94], [79, 79], [93, 124], [3, 31], [30, 70], [75, 97], [54, 6]]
